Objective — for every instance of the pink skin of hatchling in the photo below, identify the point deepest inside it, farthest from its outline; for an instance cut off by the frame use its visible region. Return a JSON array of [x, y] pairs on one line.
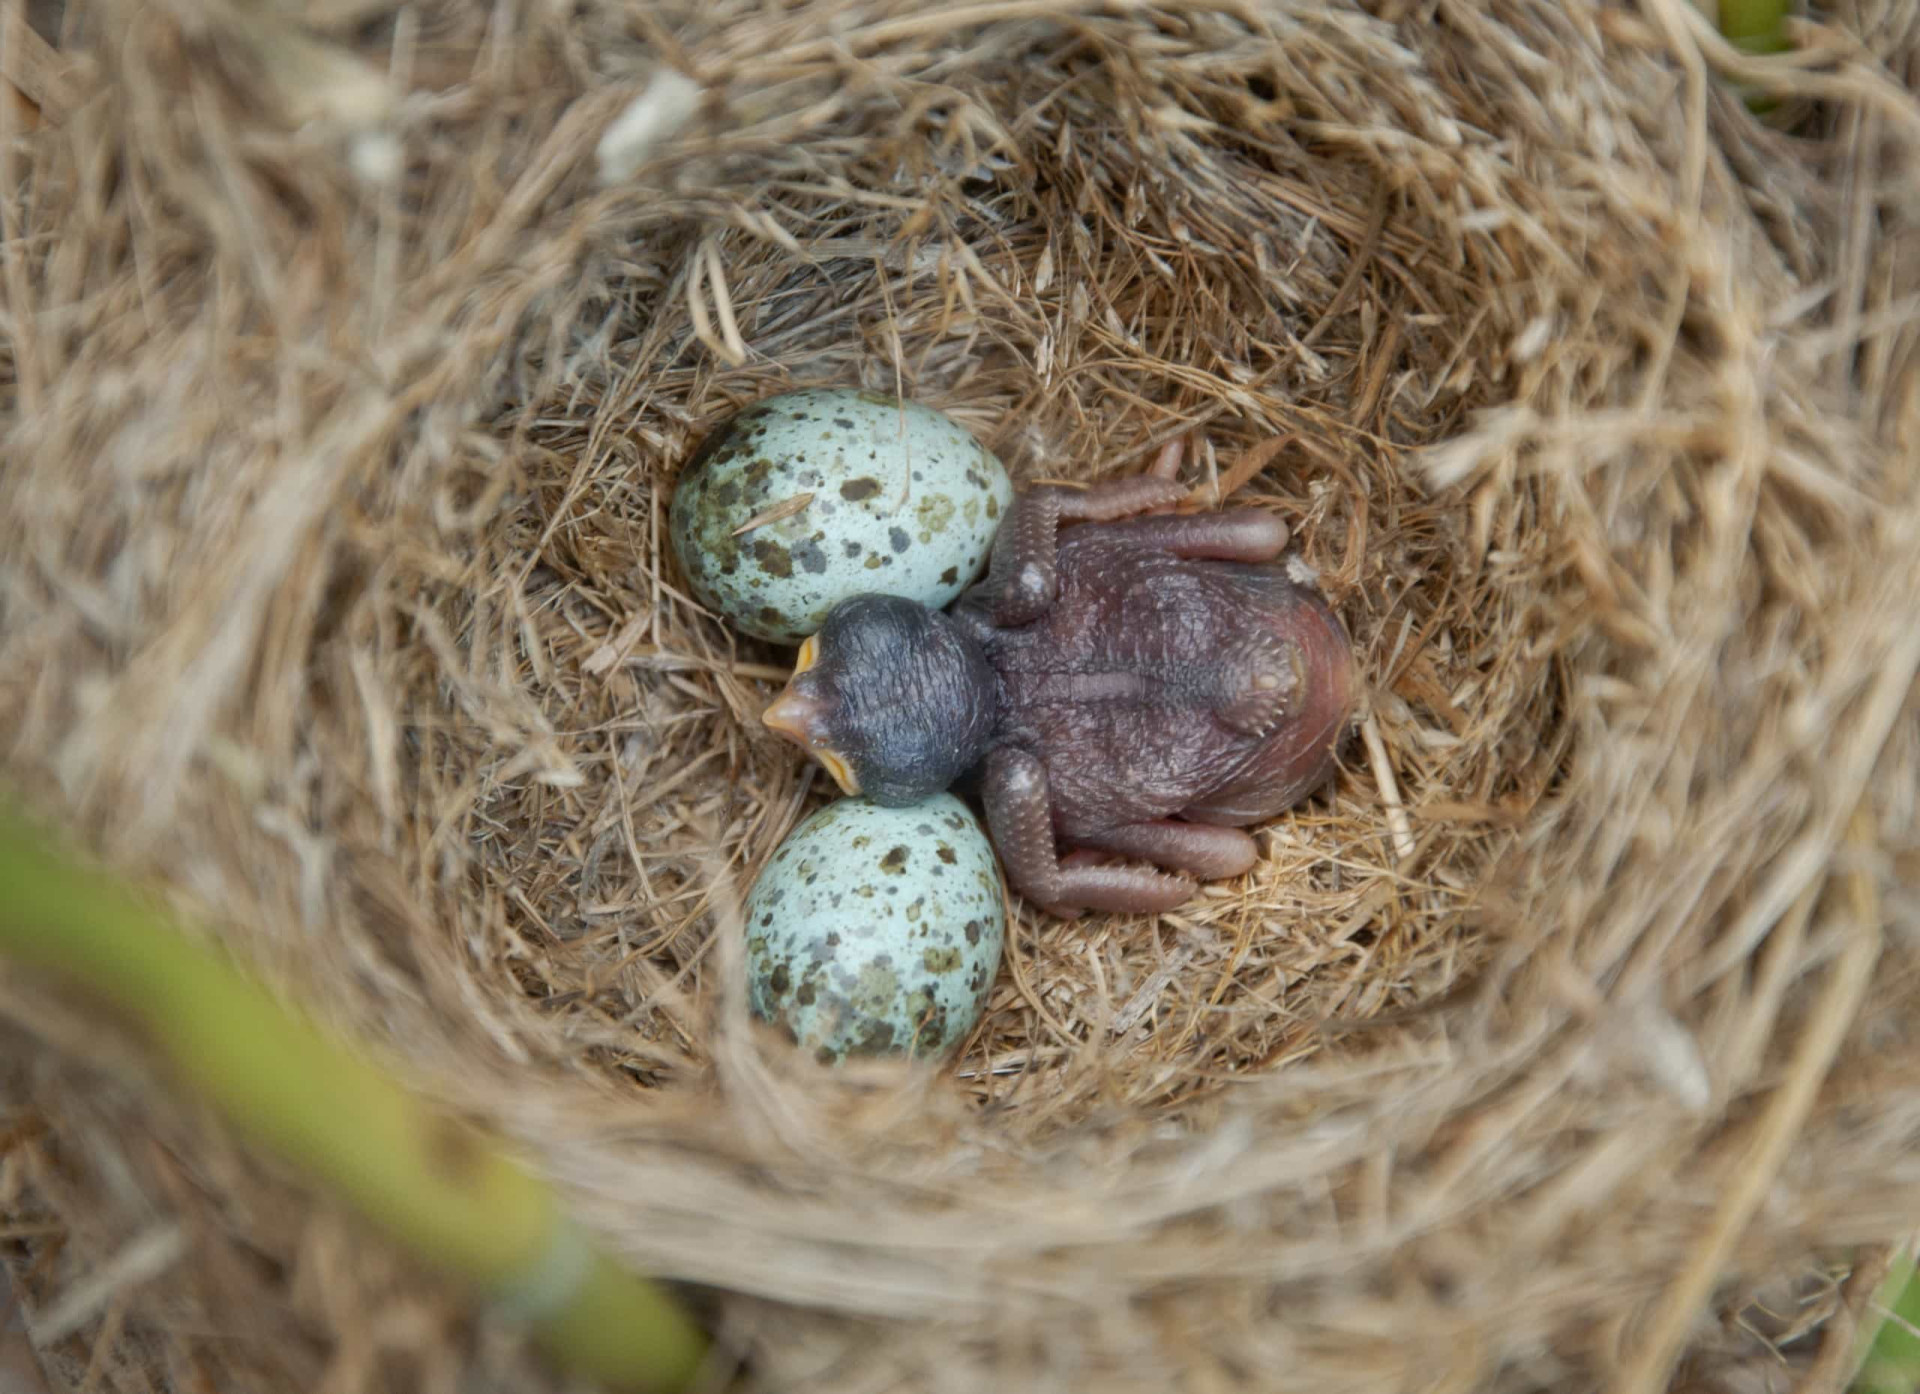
[[1126, 682]]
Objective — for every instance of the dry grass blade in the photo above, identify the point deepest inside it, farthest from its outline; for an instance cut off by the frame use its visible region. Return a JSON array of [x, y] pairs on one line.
[[786, 508], [1832, 1016], [347, 358]]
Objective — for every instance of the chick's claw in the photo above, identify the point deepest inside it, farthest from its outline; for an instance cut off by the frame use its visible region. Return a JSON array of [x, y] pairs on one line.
[[1166, 465]]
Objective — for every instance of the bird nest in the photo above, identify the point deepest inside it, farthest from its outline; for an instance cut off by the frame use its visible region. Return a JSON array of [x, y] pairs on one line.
[[349, 358]]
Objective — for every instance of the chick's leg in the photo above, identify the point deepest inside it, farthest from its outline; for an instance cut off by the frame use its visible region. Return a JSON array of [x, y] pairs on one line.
[[1021, 819], [1239, 534], [1021, 582], [1208, 852]]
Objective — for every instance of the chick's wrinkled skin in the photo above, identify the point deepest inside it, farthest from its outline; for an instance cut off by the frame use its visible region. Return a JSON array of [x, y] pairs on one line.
[[1125, 682]]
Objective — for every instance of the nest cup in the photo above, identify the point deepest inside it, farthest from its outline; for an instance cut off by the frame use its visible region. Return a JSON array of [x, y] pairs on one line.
[[350, 357]]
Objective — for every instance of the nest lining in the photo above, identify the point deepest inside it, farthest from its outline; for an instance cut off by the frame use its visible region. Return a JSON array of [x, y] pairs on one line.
[[341, 609]]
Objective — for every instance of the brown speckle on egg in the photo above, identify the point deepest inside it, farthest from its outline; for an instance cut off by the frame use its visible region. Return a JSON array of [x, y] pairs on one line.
[[842, 970], [774, 559], [852, 455]]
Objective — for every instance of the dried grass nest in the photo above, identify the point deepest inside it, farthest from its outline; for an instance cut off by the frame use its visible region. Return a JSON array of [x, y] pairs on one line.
[[1563, 1041]]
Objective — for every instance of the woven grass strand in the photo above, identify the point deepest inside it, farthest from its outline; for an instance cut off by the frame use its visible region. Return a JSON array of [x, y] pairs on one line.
[[335, 600], [440, 1188]]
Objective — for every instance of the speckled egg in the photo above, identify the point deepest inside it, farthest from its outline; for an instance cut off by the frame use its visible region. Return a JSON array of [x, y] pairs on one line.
[[801, 500], [877, 931]]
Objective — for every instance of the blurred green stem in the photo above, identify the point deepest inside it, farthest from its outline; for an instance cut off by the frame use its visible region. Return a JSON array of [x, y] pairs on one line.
[[444, 1190], [1755, 26], [1758, 27], [1892, 1360]]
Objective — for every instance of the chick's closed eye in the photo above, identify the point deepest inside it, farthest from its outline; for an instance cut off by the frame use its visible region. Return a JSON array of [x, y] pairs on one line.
[[895, 693]]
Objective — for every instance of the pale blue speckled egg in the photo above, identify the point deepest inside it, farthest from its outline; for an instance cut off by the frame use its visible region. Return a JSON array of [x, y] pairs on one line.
[[877, 931], [860, 492]]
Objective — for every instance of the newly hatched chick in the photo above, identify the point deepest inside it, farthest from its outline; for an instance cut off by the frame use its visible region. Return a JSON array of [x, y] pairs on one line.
[[1139, 683]]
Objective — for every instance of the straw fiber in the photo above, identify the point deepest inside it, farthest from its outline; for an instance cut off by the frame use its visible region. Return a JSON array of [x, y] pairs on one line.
[[347, 357]]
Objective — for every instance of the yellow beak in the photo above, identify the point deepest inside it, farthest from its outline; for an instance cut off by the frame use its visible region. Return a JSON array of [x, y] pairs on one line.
[[801, 718]]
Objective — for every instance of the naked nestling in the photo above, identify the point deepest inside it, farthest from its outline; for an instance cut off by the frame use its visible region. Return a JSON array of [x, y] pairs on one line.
[[1125, 681]]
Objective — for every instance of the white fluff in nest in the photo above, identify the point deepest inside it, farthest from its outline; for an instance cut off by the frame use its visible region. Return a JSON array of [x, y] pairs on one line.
[[649, 119]]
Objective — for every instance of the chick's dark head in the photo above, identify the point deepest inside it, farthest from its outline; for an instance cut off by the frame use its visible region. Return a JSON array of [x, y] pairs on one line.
[[893, 698]]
